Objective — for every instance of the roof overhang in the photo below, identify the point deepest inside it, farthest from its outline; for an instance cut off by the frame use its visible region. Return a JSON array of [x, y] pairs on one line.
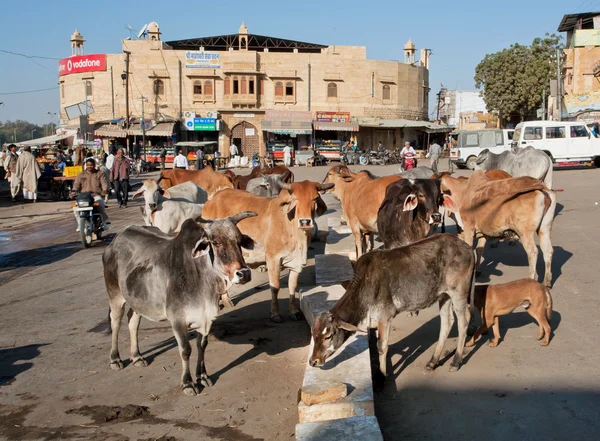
[[255, 43], [569, 21]]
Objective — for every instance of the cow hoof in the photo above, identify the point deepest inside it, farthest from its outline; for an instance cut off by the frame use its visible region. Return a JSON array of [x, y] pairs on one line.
[[262, 269], [470, 343], [412, 313], [116, 365], [277, 318], [190, 389], [297, 315], [205, 381], [544, 343], [429, 367], [140, 362], [454, 368], [493, 343], [226, 301]]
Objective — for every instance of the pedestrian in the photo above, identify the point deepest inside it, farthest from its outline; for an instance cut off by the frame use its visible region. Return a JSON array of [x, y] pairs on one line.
[[163, 157], [434, 152], [199, 158], [105, 169], [28, 172], [119, 176], [181, 161], [10, 165], [233, 151], [287, 156]]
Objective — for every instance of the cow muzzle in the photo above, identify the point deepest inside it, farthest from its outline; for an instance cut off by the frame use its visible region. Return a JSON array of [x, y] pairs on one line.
[[242, 276], [435, 218], [152, 206], [305, 224], [316, 362]]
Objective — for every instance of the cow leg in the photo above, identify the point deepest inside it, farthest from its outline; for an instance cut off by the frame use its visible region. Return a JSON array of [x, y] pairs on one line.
[[226, 300], [479, 247], [116, 314], [383, 334], [134, 326], [274, 268], [532, 253], [293, 310], [201, 376], [180, 330], [445, 313], [358, 241], [463, 314], [496, 329], [547, 251]]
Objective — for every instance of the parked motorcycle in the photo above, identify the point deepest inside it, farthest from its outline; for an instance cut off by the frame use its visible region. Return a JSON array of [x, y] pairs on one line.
[[90, 220], [349, 156], [379, 158]]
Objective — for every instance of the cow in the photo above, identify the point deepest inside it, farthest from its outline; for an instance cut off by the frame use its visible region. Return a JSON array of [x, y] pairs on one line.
[[207, 178], [268, 186], [409, 212], [155, 196], [241, 181], [518, 162], [361, 195], [388, 282], [178, 279], [520, 206], [281, 231]]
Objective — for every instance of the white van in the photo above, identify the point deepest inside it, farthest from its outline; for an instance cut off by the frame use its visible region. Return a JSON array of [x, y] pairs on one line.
[[563, 141], [472, 142]]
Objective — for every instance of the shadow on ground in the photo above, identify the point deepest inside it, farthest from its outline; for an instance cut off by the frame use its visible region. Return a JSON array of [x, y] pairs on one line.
[[12, 361]]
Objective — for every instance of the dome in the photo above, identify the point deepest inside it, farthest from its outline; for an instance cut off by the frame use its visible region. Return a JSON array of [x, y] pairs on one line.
[[243, 29], [76, 36], [153, 28]]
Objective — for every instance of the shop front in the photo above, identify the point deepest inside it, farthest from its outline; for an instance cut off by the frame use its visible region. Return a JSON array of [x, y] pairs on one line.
[[199, 132], [332, 131], [288, 129]]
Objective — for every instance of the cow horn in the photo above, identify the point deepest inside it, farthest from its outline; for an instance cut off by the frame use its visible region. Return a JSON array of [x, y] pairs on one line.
[[323, 187], [199, 220], [243, 215], [286, 174], [286, 186]]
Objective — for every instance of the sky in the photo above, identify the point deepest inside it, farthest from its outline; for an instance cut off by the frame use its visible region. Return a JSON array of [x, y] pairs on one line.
[[460, 34]]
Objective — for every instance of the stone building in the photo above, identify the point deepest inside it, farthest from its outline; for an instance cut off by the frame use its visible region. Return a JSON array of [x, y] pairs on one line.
[[244, 88]]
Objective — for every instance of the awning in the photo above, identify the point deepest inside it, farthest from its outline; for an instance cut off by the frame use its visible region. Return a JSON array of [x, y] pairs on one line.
[[46, 140], [111, 131], [287, 127], [337, 126], [425, 126], [161, 129]]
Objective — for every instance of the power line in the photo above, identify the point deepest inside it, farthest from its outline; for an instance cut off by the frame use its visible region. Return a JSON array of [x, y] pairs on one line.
[[28, 56], [28, 91]]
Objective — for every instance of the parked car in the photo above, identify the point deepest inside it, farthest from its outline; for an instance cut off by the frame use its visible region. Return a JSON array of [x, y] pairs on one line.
[[564, 141], [472, 142]]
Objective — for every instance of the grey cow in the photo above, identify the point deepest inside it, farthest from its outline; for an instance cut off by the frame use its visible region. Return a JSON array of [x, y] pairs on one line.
[[266, 185], [518, 162], [420, 172], [179, 279]]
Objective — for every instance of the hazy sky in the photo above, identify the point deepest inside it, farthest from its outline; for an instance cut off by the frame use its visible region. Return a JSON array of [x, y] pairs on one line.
[[459, 33]]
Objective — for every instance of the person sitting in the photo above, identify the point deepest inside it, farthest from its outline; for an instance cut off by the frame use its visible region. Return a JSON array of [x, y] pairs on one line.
[[408, 149], [92, 181]]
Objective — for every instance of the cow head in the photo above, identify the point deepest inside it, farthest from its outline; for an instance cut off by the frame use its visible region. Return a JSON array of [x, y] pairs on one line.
[[329, 333], [302, 201], [338, 175], [271, 184], [232, 177], [221, 242], [423, 197], [483, 160], [151, 192]]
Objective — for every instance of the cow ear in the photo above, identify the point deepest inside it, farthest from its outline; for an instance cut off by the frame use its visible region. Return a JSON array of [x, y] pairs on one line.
[[201, 248], [247, 242], [321, 207], [164, 193], [138, 193], [349, 327], [411, 202], [449, 203]]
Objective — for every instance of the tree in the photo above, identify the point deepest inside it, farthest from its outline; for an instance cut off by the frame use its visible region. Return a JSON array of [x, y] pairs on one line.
[[513, 79], [22, 131]]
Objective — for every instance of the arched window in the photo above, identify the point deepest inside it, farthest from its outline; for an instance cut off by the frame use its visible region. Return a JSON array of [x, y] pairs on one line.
[[208, 88], [332, 90], [227, 86], [386, 92], [289, 89], [197, 87], [278, 88], [88, 88], [244, 86], [159, 87]]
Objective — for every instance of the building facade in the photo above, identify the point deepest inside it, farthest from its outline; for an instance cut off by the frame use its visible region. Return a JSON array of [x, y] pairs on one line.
[[457, 107], [221, 88]]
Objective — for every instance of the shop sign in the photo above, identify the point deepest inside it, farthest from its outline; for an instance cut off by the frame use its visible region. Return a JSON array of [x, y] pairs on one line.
[[201, 124], [83, 63], [250, 131], [243, 115], [287, 115], [332, 116], [202, 59]]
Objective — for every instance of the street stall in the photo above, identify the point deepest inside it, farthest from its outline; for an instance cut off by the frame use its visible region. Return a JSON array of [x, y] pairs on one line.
[[288, 129], [332, 131], [210, 148], [156, 133]]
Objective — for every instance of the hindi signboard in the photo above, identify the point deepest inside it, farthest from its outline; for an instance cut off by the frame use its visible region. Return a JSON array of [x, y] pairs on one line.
[[332, 116], [203, 59]]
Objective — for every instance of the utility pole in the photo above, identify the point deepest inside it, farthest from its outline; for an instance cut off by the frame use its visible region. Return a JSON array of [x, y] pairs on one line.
[[127, 53], [15, 134], [558, 88], [143, 127], [438, 105], [543, 104]]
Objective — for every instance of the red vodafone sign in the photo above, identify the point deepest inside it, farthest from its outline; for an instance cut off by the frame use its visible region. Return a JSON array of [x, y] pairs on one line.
[[83, 63]]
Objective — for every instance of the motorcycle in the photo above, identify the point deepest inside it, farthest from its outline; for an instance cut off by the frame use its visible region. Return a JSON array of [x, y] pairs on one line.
[[379, 158], [90, 220], [349, 157], [409, 162]]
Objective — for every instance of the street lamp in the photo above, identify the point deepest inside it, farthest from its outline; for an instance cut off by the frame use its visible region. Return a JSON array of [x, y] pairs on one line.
[[52, 115], [32, 133]]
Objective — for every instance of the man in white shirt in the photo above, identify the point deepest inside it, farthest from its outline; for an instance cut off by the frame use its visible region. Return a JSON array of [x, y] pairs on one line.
[[233, 150], [408, 149], [110, 160], [287, 155], [180, 161]]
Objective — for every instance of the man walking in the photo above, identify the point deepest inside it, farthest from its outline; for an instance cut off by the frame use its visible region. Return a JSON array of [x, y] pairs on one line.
[[10, 165], [199, 158], [119, 176], [435, 151], [163, 157], [181, 161], [233, 151], [287, 155], [28, 172]]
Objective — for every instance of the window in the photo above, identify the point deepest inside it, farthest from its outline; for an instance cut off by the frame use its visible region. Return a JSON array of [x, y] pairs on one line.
[[578, 132], [244, 86], [332, 90], [159, 87], [198, 87], [386, 92], [262, 87], [510, 135], [251, 86], [236, 86], [532, 133], [208, 88], [499, 138], [289, 89], [227, 86], [555, 132], [472, 140], [278, 88], [88, 88]]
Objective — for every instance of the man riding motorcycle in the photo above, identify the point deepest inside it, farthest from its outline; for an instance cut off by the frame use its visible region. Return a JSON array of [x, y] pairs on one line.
[[408, 150], [92, 181]]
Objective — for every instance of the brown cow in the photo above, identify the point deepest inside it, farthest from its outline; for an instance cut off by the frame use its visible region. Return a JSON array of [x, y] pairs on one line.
[[521, 206], [241, 181], [207, 178], [361, 195], [282, 231]]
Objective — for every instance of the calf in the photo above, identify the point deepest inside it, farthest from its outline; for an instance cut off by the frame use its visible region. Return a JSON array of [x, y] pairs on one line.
[[493, 301], [387, 282], [178, 279], [409, 212]]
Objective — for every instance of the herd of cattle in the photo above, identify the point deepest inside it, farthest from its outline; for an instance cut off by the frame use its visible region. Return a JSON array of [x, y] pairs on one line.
[[204, 230]]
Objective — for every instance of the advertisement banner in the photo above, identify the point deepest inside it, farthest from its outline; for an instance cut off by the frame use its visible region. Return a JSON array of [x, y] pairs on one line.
[[83, 63], [201, 124], [333, 116], [202, 59]]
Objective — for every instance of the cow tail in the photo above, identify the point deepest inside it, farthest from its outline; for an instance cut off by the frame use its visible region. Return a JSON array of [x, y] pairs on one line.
[[444, 222], [472, 290], [548, 303]]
